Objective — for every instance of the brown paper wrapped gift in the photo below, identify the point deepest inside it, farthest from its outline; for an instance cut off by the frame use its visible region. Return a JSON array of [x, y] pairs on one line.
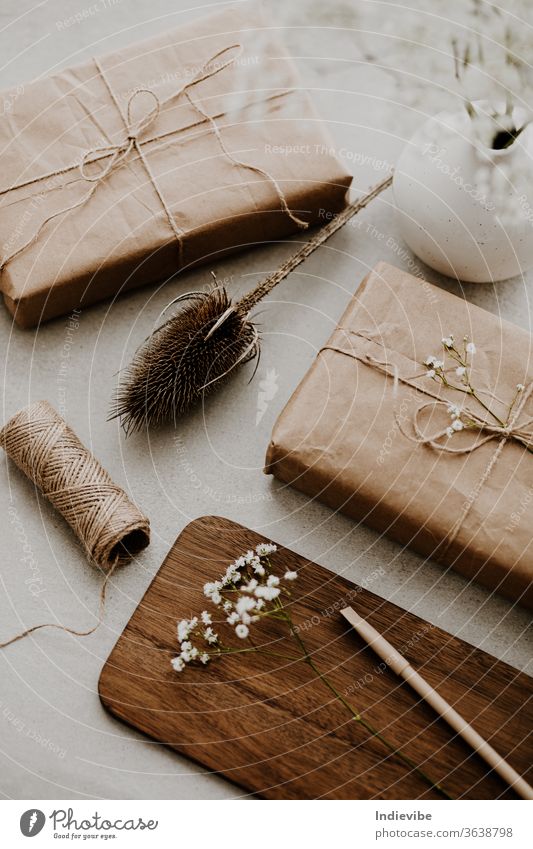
[[158, 157], [356, 432]]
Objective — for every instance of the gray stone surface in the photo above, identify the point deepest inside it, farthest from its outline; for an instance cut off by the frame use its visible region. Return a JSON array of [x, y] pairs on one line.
[[373, 87]]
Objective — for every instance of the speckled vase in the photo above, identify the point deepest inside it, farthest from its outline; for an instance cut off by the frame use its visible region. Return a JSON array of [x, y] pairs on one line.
[[464, 208]]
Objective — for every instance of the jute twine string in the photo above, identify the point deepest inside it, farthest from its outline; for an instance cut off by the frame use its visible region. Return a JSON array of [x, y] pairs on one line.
[[511, 431], [132, 142], [110, 527], [101, 611]]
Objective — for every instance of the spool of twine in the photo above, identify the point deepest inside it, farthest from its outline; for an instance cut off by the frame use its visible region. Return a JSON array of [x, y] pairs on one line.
[[110, 527]]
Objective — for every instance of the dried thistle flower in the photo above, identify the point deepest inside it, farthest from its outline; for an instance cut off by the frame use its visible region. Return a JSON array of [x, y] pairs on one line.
[[184, 359], [196, 349]]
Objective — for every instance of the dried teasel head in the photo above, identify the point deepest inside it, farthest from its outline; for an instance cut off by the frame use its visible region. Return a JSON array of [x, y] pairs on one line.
[[185, 358], [196, 349]]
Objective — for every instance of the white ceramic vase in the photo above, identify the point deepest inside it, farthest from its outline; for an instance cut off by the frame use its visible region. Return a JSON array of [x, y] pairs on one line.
[[464, 208]]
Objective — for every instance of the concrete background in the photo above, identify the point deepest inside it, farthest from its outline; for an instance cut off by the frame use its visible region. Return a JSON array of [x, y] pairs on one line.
[[375, 76]]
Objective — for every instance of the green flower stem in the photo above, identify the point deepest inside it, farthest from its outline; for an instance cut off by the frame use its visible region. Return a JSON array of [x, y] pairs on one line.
[[379, 736], [357, 716], [471, 391]]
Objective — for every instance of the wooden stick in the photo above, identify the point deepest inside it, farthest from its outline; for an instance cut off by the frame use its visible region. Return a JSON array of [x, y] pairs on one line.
[[401, 667]]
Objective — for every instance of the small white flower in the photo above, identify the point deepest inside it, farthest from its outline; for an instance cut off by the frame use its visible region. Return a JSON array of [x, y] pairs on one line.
[[438, 364], [240, 563], [460, 371], [429, 361], [212, 589], [233, 618], [249, 556], [186, 646], [290, 576], [431, 373], [193, 654], [184, 628], [232, 575], [259, 569], [210, 636], [450, 431], [457, 424], [227, 606], [448, 341], [206, 618], [242, 631], [245, 604], [520, 387], [454, 411], [204, 658], [272, 581], [470, 348], [178, 664], [268, 593], [250, 586], [186, 656], [266, 548]]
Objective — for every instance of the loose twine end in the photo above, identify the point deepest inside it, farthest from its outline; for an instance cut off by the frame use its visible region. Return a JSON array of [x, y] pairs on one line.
[[110, 527]]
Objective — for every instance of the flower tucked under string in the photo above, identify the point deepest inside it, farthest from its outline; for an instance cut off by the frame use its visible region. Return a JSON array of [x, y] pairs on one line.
[[250, 592], [458, 362]]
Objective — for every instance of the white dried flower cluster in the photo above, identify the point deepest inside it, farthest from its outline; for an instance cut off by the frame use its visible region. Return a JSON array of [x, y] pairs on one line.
[[454, 374], [246, 592], [436, 366], [457, 423], [458, 357]]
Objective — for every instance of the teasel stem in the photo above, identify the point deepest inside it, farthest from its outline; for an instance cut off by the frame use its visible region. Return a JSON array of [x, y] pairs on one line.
[[207, 340], [248, 301]]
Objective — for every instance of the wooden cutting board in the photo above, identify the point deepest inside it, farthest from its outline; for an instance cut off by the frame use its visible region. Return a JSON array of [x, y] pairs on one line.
[[273, 727]]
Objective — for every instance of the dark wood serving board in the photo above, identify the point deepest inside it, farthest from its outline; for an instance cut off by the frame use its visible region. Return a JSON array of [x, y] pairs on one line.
[[272, 727]]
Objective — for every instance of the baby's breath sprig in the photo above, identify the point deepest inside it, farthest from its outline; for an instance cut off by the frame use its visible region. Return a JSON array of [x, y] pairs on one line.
[[249, 592], [453, 371]]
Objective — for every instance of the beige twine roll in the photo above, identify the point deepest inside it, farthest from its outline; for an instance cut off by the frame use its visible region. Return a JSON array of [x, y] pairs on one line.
[[111, 528]]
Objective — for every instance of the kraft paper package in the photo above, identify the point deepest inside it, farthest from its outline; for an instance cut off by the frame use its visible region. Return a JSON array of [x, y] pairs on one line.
[[159, 156], [367, 431]]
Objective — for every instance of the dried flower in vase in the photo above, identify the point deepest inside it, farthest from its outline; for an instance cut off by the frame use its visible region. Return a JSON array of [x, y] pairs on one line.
[[248, 593]]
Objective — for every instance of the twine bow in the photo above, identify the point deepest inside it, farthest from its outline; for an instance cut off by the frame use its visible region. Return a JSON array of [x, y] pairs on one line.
[[133, 142], [509, 430]]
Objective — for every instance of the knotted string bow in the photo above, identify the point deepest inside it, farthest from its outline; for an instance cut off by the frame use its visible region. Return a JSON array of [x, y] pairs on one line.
[[509, 430], [133, 141]]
